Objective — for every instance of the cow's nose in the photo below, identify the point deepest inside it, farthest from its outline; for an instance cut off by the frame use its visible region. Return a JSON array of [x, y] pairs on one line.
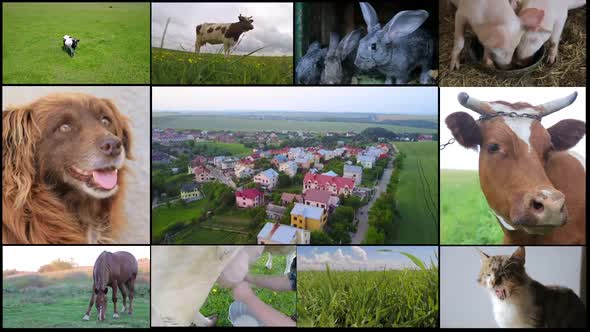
[[111, 146], [548, 208]]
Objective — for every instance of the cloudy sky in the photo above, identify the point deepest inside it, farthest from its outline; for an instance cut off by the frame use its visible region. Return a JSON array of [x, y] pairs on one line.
[[455, 156], [30, 258], [360, 257], [401, 100], [273, 25]]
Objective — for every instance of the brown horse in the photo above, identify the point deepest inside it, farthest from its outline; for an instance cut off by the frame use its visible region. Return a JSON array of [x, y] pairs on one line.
[[117, 270]]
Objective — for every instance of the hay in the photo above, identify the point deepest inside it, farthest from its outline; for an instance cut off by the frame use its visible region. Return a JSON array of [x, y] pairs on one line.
[[568, 71]]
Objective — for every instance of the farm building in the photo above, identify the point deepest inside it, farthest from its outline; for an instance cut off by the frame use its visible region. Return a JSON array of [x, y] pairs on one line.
[[275, 233], [287, 198], [308, 217], [275, 212], [190, 192]]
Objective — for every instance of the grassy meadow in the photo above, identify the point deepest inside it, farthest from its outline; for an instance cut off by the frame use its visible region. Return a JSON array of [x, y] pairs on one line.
[[113, 48], [465, 215], [203, 122], [390, 298], [189, 68], [226, 148], [220, 299], [417, 193], [60, 299]]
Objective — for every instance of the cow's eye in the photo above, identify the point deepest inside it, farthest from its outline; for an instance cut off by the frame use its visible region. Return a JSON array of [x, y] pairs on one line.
[[374, 46], [64, 128], [105, 121], [493, 147]]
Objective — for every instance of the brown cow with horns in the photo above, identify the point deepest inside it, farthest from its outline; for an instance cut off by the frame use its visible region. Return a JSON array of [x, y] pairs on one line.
[[536, 187]]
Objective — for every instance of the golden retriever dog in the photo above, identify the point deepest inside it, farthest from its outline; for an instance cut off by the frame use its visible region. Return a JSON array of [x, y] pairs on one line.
[[63, 167]]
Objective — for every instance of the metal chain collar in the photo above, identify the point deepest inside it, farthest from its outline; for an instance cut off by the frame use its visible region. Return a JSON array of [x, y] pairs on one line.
[[451, 141], [510, 115]]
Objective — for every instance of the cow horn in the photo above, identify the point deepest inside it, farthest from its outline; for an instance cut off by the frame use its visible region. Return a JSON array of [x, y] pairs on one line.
[[557, 104], [471, 103]]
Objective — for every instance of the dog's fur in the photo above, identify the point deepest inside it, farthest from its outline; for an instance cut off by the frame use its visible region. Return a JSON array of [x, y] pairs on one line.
[[42, 201]]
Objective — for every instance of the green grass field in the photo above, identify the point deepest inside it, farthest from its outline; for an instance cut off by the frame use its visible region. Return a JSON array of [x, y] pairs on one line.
[[60, 299], [227, 148], [114, 43], [417, 193], [164, 217], [220, 299], [465, 215], [395, 298], [179, 67], [187, 121]]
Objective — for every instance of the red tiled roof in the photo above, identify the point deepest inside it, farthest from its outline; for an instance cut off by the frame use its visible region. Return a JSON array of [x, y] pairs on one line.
[[249, 193], [200, 169], [321, 196], [322, 180]]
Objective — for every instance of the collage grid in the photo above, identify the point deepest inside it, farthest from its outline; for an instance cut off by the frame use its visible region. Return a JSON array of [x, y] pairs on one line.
[[283, 171]]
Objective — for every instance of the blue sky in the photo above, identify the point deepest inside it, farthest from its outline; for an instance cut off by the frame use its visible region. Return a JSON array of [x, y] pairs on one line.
[[360, 257], [400, 100], [30, 258]]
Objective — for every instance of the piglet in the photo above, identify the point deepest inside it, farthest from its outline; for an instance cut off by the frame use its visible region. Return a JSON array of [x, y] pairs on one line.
[[555, 15], [497, 26]]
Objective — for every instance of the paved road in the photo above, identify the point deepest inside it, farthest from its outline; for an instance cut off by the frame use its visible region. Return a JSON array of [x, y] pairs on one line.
[[363, 212]]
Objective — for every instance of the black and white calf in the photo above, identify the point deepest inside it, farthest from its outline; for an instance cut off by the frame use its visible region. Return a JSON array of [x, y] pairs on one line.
[[70, 44]]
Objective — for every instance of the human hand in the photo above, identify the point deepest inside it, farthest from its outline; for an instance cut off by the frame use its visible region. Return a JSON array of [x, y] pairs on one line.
[[242, 292]]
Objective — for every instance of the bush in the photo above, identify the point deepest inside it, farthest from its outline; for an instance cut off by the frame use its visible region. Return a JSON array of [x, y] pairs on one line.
[[58, 265]]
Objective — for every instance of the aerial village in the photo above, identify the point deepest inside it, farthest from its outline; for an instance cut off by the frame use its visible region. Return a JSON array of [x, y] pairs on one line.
[[303, 190]]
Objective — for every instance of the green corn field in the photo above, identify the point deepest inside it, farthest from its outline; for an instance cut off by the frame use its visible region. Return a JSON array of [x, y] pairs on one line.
[[389, 298]]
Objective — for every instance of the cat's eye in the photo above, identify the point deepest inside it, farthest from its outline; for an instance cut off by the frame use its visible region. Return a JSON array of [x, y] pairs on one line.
[[374, 46], [64, 128]]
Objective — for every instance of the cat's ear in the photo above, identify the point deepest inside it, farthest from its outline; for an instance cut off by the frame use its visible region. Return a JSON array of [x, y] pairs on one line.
[[482, 256], [519, 254]]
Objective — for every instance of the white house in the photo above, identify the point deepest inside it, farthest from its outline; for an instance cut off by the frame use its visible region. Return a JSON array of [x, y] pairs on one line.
[[275, 233], [353, 172], [242, 171], [267, 179], [289, 168], [366, 161]]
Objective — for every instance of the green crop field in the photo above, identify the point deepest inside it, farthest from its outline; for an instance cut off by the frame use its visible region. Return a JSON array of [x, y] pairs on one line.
[[394, 298], [220, 299], [113, 48], [60, 299], [187, 121], [417, 193], [179, 67], [465, 215], [164, 216]]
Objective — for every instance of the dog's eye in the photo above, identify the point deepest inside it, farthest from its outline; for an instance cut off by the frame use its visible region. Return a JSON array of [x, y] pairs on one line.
[[105, 122], [64, 128], [374, 46]]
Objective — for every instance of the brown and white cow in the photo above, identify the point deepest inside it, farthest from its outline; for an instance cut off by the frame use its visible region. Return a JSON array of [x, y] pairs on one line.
[[222, 33], [536, 187]]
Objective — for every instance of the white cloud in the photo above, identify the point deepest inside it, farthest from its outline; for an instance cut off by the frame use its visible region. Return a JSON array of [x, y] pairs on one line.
[[359, 252], [337, 260]]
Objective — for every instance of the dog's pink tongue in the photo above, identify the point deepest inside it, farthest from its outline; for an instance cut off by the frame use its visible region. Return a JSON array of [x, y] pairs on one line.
[[105, 179]]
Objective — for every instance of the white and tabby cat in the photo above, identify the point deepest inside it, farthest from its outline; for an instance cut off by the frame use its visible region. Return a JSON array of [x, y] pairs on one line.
[[520, 301]]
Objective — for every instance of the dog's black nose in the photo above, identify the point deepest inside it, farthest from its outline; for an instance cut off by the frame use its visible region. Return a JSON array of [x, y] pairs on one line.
[[111, 146]]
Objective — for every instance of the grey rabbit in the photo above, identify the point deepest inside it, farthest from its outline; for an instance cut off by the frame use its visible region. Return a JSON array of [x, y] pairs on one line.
[[310, 66], [339, 63], [398, 48]]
